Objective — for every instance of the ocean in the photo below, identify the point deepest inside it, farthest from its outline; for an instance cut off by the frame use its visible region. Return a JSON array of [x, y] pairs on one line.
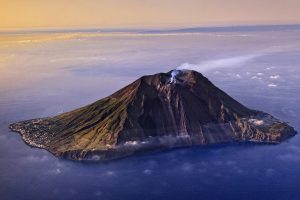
[[45, 73]]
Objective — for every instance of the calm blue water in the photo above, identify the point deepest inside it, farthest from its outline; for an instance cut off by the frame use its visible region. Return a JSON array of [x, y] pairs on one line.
[[49, 73]]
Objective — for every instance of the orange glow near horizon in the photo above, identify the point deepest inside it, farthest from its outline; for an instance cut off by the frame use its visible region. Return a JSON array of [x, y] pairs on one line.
[[139, 13]]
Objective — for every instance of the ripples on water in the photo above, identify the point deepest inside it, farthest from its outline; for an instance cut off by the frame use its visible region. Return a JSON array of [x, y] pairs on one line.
[[46, 74]]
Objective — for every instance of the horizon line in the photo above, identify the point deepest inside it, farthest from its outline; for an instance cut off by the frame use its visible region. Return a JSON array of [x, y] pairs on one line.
[[138, 29]]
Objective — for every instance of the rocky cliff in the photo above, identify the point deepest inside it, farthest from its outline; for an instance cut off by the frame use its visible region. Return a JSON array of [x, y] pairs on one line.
[[165, 110]]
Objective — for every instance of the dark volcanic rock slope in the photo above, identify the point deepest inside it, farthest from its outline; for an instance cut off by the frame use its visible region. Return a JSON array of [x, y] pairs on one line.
[[179, 108]]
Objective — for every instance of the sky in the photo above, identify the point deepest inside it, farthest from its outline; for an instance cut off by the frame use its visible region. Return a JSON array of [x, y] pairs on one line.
[[145, 13]]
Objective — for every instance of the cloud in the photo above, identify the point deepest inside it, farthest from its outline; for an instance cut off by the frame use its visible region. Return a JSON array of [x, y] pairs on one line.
[[270, 68], [147, 171], [238, 76], [187, 167], [220, 63], [58, 167], [272, 85], [95, 157], [294, 148], [289, 157], [78, 59], [292, 155], [55, 171], [217, 163], [110, 173], [234, 61], [218, 175], [37, 158], [275, 77], [231, 163]]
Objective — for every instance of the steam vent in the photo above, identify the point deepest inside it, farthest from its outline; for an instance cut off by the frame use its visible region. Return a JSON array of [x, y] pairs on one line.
[[156, 112]]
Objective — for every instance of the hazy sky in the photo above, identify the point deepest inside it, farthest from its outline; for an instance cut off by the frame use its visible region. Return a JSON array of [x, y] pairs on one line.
[[145, 13]]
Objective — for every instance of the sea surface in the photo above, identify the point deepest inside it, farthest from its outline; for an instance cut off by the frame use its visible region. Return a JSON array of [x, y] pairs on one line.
[[49, 72]]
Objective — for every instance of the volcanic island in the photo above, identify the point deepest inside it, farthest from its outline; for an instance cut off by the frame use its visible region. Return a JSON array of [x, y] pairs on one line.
[[157, 112]]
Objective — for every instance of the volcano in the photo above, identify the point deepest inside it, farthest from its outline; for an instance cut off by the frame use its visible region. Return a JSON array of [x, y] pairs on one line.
[[180, 108]]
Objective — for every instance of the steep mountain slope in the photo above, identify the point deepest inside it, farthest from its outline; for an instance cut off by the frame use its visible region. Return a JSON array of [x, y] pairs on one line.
[[165, 110]]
